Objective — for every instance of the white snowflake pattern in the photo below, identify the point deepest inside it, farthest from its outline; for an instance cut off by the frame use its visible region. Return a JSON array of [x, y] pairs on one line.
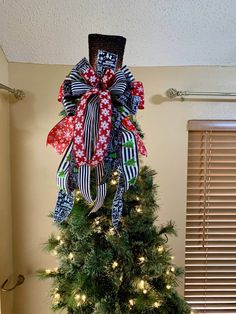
[[80, 113], [108, 133], [79, 153], [105, 101], [104, 125], [67, 135], [83, 101], [140, 89], [78, 126], [105, 112], [59, 132], [78, 139], [104, 93], [103, 139], [93, 79], [100, 152]]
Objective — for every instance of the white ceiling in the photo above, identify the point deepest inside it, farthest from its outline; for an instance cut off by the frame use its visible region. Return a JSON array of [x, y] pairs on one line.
[[158, 32]]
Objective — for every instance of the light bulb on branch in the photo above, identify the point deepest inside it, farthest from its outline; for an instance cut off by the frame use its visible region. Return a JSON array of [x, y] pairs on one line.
[[115, 264], [57, 296], [113, 182], [54, 252], [138, 209], [141, 284], [142, 259], [160, 248], [48, 271], [156, 304], [131, 302], [71, 256]]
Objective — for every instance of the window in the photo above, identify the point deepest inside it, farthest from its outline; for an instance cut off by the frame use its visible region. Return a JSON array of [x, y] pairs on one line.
[[210, 254]]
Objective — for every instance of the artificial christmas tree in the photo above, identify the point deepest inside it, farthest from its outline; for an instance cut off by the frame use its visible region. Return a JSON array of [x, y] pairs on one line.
[[119, 265]]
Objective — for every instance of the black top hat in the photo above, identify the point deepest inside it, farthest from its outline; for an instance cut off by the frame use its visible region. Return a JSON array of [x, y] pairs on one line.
[[110, 43]]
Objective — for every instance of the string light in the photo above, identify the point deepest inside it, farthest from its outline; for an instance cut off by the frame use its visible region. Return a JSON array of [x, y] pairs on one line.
[[56, 302], [142, 259], [138, 209], [137, 198], [121, 277], [141, 284], [168, 287], [56, 269], [113, 182], [172, 269], [160, 249], [54, 253], [111, 231], [115, 173], [99, 229], [172, 258], [97, 222], [167, 272], [58, 238], [71, 256], [114, 264], [77, 196], [156, 304], [57, 296], [131, 302], [48, 271], [80, 298], [145, 291], [61, 242]]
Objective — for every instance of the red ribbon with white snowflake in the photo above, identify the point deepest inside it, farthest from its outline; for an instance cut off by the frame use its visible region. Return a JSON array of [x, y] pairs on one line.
[[72, 128]]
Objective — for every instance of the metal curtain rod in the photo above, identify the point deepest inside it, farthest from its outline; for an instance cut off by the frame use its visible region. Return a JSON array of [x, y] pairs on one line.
[[19, 94], [173, 93]]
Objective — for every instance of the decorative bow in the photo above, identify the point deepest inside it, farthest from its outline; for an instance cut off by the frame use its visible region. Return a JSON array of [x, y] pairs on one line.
[[97, 132]]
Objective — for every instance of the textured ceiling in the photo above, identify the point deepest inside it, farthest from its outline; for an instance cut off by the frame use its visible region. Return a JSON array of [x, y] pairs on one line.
[[158, 32]]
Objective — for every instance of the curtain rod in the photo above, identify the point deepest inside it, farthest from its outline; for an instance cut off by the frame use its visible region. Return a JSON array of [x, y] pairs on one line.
[[173, 93], [19, 94]]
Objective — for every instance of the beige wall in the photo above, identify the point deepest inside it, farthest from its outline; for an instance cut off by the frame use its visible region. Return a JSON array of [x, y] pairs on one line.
[[5, 196], [34, 166]]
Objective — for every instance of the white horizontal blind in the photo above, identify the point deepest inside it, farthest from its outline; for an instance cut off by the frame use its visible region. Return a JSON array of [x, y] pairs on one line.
[[210, 254]]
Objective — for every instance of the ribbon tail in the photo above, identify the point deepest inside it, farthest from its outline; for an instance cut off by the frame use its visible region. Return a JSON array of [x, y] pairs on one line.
[[117, 206], [129, 155], [63, 171], [64, 206], [84, 179], [141, 147], [101, 189]]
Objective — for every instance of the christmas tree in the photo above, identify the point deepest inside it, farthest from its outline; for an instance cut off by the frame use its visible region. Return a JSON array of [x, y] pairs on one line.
[[113, 256], [103, 271]]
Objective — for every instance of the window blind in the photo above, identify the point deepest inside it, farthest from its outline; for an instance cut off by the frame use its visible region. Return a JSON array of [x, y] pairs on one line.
[[210, 251]]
